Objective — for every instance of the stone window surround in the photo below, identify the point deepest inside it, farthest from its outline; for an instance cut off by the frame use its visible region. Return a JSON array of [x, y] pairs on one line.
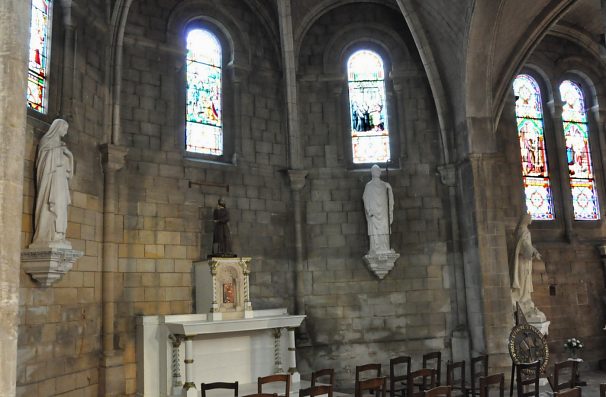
[[228, 96], [554, 147], [393, 123]]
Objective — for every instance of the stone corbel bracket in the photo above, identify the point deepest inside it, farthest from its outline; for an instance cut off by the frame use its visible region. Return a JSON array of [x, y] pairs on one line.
[[48, 265], [381, 263]]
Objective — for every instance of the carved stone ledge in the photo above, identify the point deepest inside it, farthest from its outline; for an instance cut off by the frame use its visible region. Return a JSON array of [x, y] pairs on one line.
[[48, 265], [381, 263]]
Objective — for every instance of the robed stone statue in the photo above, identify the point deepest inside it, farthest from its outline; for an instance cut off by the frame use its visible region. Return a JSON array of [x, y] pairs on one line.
[[54, 169], [378, 207]]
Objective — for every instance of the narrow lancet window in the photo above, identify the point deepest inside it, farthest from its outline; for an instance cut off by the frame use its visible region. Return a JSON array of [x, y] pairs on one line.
[[369, 130], [204, 129], [39, 53], [535, 172], [578, 154]]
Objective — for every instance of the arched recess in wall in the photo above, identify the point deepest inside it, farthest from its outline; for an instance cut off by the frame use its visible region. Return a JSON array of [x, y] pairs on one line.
[[584, 74], [393, 51], [235, 65]]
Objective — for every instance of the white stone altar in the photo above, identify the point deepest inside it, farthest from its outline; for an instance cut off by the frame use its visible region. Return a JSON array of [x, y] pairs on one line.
[[178, 352]]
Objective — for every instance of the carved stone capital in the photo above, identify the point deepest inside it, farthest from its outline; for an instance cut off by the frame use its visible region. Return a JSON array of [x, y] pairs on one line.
[[114, 157], [297, 179], [448, 174], [48, 265]]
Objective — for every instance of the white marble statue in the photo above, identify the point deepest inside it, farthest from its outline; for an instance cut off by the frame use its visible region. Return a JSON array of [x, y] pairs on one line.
[[523, 255], [54, 169], [378, 206]]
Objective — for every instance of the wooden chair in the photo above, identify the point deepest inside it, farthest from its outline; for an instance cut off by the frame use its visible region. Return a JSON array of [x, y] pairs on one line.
[[493, 380], [323, 373], [367, 368], [374, 386], [219, 385], [559, 370], [274, 378], [480, 361], [433, 360], [262, 395], [574, 392], [419, 378], [457, 384], [397, 379], [316, 391], [440, 391], [526, 379], [602, 389]]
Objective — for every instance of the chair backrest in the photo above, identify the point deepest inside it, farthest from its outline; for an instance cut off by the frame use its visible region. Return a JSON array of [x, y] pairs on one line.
[[398, 375], [316, 391], [602, 389], [322, 373], [375, 368], [527, 375], [479, 367], [376, 386], [440, 391], [219, 385], [274, 378], [574, 392], [451, 378], [423, 375], [559, 372], [493, 380], [434, 360]]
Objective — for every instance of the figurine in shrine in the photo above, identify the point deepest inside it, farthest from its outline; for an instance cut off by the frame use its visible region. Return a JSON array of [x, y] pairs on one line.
[[378, 207], [523, 255], [54, 169], [221, 234]]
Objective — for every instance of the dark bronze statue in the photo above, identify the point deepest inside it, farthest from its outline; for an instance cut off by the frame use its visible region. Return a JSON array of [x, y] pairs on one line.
[[221, 235]]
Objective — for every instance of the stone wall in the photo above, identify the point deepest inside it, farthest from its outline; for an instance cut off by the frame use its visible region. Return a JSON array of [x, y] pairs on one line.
[[60, 326], [167, 199], [353, 317], [573, 269]]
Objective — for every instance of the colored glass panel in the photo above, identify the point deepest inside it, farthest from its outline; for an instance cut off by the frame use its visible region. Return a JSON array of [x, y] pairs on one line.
[[37, 79], [535, 170], [204, 129], [369, 133], [578, 154]]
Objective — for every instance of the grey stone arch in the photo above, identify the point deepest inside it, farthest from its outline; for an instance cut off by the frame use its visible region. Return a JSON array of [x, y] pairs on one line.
[[236, 61], [584, 72], [393, 51]]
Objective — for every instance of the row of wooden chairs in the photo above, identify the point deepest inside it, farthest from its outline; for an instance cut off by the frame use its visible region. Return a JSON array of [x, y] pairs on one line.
[[314, 390], [377, 386]]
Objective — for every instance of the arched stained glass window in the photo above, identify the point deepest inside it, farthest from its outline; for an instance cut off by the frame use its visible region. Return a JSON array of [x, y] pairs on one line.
[[535, 172], [204, 129], [369, 133], [578, 155], [39, 53]]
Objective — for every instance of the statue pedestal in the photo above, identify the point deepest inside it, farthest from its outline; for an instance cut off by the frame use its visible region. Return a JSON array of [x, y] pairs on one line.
[[381, 263], [47, 265]]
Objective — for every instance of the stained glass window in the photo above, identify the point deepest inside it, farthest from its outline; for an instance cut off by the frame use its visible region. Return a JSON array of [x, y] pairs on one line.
[[578, 155], [39, 42], [204, 130], [535, 172], [369, 133]]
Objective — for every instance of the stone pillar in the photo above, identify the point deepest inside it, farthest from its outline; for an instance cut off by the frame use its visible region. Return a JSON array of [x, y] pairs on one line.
[[69, 46], [297, 181], [112, 381], [14, 44], [292, 357]]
